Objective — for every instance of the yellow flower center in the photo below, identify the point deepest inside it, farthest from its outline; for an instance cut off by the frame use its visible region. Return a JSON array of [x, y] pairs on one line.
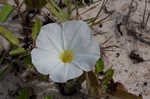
[[66, 56]]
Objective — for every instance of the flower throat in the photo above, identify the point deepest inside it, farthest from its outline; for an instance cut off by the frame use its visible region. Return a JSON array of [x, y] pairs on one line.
[[66, 56]]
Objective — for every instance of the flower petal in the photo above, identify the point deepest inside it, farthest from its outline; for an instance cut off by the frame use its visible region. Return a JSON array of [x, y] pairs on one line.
[[65, 72], [75, 33], [50, 37], [44, 60], [86, 58]]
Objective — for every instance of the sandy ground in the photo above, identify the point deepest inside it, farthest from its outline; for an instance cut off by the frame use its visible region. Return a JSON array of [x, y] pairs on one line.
[[133, 75]]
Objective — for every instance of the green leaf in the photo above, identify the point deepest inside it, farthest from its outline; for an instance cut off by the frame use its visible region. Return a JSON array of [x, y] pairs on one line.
[[48, 97], [69, 85], [105, 83], [5, 12], [44, 77], [99, 65], [36, 29], [27, 60], [55, 12], [17, 51], [107, 78], [24, 94], [9, 36], [109, 73], [59, 9]]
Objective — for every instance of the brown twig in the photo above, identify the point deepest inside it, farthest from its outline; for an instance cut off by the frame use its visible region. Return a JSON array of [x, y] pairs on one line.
[[99, 12], [18, 6]]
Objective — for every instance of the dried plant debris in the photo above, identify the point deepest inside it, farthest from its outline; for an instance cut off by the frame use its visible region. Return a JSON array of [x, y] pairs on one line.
[[135, 57], [138, 29]]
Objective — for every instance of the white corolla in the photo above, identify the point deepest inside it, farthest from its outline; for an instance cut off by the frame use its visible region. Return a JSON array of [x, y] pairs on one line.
[[65, 51]]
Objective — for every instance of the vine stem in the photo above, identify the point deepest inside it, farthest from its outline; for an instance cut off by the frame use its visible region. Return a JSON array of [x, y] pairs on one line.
[[18, 6]]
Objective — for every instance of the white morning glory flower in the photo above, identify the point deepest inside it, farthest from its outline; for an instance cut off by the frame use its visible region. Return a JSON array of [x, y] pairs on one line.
[[65, 51]]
